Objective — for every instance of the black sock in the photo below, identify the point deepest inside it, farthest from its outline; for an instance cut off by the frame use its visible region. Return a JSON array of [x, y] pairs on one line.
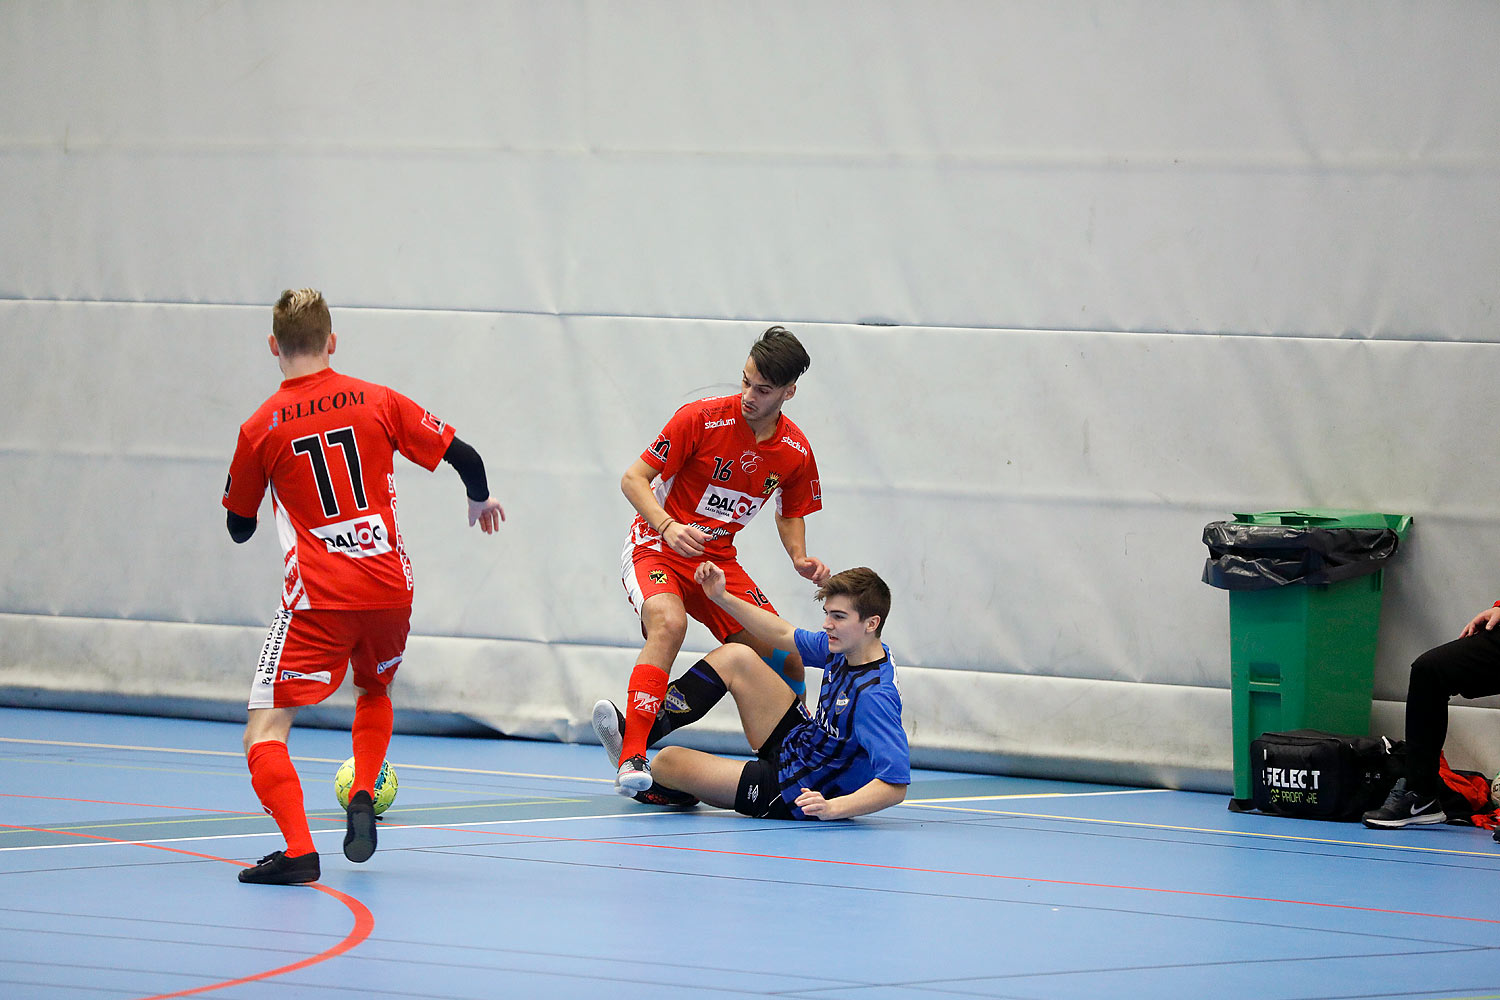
[[688, 699]]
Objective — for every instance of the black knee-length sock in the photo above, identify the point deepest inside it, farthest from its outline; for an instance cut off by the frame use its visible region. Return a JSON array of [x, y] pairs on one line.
[[688, 699]]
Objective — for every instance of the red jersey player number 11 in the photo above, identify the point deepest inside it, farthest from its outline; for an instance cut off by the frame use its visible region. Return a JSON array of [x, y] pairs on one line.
[[324, 445]]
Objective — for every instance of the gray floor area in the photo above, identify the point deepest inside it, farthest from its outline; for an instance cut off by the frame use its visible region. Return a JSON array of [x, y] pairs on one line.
[[510, 869]]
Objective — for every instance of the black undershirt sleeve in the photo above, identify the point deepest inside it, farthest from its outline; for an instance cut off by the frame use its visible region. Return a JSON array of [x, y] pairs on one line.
[[240, 528], [470, 469]]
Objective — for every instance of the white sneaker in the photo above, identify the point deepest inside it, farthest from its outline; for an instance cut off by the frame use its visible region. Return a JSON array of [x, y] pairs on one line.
[[609, 726], [634, 776]]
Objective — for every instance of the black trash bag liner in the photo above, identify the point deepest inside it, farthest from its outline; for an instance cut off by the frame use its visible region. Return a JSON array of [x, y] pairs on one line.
[[1264, 556]]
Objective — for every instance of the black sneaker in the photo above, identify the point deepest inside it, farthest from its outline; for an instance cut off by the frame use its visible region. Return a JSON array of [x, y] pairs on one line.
[[278, 869], [1405, 808], [661, 795], [359, 838]]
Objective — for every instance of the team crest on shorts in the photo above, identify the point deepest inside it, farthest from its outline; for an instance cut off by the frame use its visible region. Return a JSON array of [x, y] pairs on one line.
[[658, 576], [772, 481]]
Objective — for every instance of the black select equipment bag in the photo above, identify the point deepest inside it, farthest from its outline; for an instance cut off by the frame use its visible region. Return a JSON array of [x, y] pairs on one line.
[[1311, 774]]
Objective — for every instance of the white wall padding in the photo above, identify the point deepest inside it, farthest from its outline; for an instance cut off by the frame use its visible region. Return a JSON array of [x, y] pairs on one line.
[[1076, 280], [1035, 499], [1321, 169]]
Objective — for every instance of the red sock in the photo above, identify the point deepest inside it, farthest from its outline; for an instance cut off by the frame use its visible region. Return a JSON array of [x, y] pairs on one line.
[[280, 791], [372, 737], [648, 686]]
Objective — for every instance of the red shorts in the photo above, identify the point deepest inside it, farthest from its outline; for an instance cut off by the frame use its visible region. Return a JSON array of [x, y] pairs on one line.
[[646, 572], [307, 653]]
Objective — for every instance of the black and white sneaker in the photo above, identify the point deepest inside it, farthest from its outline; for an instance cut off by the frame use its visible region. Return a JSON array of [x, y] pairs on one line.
[[609, 726], [661, 795], [359, 835], [278, 869], [1405, 808], [634, 776]]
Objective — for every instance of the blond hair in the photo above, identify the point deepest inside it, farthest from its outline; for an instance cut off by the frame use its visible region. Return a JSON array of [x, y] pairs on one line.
[[300, 322]]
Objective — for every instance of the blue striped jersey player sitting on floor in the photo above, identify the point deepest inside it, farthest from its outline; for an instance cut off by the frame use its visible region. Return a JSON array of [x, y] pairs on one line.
[[848, 759]]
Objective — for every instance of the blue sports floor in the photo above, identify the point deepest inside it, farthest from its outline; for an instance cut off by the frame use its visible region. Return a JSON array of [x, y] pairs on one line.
[[511, 869]]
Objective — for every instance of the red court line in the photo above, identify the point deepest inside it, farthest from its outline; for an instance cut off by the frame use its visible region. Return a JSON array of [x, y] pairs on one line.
[[364, 921], [133, 805], [943, 871]]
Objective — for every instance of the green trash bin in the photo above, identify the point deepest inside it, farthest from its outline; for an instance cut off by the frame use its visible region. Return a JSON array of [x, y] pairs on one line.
[[1302, 651]]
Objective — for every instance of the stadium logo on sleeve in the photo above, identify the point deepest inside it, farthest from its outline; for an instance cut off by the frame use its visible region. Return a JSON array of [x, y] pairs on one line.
[[661, 447], [358, 538], [817, 490], [432, 423]]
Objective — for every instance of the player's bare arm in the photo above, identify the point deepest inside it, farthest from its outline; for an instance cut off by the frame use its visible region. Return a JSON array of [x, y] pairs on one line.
[[873, 797], [758, 621], [683, 539], [793, 532]]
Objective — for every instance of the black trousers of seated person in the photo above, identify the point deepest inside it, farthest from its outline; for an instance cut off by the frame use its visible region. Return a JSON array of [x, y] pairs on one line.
[[1468, 667]]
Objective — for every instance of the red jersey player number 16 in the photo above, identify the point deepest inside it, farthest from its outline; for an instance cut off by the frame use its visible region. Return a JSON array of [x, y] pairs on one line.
[[714, 466]]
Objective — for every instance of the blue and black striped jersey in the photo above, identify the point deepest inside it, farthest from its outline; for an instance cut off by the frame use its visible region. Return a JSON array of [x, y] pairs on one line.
[[856, 733]]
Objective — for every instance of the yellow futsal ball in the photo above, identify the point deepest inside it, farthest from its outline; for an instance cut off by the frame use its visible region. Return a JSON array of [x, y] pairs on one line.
[[385, 785]]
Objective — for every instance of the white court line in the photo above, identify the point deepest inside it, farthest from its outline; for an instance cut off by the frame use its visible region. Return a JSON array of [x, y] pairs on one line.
[[115, 746], [308, 760], [556, 777], [932, 804], [1400, 848], [544, 819], [316, 833], [1036, 795], [1214, 831]]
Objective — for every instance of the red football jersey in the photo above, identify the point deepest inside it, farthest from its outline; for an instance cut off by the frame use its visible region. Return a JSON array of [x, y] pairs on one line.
[[324, 444], [712, 474]]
